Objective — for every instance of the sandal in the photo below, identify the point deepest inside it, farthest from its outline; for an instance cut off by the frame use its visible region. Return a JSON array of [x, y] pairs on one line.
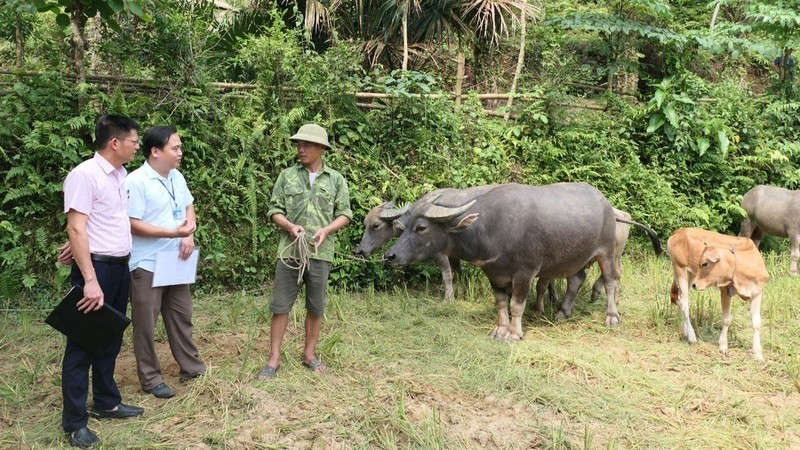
[[315, 365], [268, 373]]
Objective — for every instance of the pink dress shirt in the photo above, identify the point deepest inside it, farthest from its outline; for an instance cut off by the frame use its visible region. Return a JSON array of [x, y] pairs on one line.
[[95, 188]]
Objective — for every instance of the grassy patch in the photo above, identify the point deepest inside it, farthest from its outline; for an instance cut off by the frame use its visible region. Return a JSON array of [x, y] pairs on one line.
[[407, 369]]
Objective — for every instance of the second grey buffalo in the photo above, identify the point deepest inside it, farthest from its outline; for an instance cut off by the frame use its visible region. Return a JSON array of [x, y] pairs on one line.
[[515, 233], [773, 211]]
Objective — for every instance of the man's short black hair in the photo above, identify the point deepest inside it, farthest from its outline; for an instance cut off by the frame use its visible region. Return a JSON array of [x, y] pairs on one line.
[[156, 137], [110, 126]]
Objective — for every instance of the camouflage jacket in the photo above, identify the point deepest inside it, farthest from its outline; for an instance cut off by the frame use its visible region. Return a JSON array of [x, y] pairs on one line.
[[311, 207]]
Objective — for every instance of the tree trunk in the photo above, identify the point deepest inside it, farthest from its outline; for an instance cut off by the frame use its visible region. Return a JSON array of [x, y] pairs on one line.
[[613, 59], [78, 25], [20, 42], [520, 62], [406, 6]]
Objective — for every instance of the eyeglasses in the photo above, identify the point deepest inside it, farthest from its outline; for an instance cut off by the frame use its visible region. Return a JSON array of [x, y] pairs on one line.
[[136, 142]]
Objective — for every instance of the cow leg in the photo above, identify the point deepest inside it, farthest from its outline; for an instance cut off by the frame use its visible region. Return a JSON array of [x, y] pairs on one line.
[[597, 289], [573, 285], [794, 240], [500, 331], [727, 317], [747, 228], [455, 263], [551, 289], [610, 279], [680, 296], [756, 236], [520, 287], [542, 284], [447, 275], [755, 316]]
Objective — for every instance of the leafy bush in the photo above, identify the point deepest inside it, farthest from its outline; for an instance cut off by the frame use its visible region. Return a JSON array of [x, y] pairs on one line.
[[678, 160]]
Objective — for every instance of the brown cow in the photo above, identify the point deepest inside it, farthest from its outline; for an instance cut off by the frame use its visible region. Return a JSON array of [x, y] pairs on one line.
[[702, 258]]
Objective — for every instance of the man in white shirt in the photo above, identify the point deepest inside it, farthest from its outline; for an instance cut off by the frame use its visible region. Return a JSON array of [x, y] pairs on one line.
[[162, 218]]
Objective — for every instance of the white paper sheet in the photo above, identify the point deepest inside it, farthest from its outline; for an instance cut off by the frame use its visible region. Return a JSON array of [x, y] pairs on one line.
[[171, 270]]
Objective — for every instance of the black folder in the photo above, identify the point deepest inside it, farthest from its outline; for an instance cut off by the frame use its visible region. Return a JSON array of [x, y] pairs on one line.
[[94, 331]]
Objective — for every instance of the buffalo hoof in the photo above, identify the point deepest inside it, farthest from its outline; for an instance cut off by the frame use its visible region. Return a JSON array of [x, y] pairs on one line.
[[612, 321], [504, 334], [560, 316]]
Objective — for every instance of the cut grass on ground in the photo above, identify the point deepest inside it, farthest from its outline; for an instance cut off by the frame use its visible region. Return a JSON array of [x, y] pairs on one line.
[[407, 369]]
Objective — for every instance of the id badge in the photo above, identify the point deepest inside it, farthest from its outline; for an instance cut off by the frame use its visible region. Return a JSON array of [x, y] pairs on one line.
[[177, 214]]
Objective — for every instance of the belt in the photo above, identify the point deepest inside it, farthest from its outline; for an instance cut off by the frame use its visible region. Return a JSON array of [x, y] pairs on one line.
[[111, 259]]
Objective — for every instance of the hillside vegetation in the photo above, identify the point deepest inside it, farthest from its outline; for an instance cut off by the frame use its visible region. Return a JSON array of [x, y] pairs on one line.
[[686, 118]]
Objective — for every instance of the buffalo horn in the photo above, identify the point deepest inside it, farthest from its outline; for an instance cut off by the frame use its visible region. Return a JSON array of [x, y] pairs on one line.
[[443, 213], [392, 213]]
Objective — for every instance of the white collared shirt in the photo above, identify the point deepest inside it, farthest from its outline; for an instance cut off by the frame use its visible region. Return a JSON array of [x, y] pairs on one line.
[[155, 200]]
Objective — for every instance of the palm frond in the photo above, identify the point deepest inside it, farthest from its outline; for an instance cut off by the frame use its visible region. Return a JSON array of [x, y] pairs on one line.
[[489, 16]]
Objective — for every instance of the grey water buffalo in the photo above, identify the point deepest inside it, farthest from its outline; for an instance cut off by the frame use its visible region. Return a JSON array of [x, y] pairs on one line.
[[622, 231], [379, 229], [515, 233], [774, 211], [701, 259]]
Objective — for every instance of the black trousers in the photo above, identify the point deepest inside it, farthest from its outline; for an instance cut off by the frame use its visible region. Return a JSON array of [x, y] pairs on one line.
[[115, 281]]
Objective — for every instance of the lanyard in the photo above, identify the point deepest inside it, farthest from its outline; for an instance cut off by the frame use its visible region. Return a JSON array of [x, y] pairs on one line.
[[171, 193]]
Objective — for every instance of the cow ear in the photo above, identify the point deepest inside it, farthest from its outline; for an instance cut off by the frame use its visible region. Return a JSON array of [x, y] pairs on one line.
[[713, 257], [464, 223]]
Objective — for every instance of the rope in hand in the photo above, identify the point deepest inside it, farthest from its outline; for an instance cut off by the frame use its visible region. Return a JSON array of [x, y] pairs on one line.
[[300, 247], [299, 255]]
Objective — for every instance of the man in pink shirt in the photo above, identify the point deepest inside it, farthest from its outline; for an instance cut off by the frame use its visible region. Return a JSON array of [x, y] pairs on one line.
[[96, 204]]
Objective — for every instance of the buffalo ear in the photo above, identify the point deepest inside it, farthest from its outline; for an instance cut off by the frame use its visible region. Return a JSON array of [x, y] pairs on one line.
[[464, 223], [397, 225]]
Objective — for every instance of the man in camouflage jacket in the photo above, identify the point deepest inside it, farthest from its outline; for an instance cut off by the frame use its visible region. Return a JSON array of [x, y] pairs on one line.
[[309, 203]]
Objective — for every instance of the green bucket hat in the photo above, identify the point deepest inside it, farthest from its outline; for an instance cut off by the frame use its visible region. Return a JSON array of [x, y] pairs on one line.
[[312, 133]]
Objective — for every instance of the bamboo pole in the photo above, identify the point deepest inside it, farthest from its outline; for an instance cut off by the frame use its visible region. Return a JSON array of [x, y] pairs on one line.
[[520, 62], [459, 77]]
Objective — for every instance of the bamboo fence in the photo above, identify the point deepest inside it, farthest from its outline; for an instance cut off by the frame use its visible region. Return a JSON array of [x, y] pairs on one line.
[[365, 100]]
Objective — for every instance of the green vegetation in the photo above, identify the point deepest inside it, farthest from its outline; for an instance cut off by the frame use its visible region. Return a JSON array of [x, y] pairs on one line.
[[407, 370], [668, 108], [686, 123]]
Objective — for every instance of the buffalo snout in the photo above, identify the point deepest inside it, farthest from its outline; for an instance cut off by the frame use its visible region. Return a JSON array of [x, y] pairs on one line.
[[391, 258]]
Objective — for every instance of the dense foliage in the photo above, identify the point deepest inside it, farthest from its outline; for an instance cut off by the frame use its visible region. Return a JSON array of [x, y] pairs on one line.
[[681, 155]]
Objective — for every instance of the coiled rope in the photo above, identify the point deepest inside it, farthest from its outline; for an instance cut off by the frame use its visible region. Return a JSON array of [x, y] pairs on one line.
[[301, 248], [299, 255]]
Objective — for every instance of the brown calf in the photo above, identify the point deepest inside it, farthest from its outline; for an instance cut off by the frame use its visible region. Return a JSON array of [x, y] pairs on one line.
[[701, 259]]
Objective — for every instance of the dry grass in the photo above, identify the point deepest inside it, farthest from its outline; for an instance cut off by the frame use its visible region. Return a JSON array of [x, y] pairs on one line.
[[407, 369]]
